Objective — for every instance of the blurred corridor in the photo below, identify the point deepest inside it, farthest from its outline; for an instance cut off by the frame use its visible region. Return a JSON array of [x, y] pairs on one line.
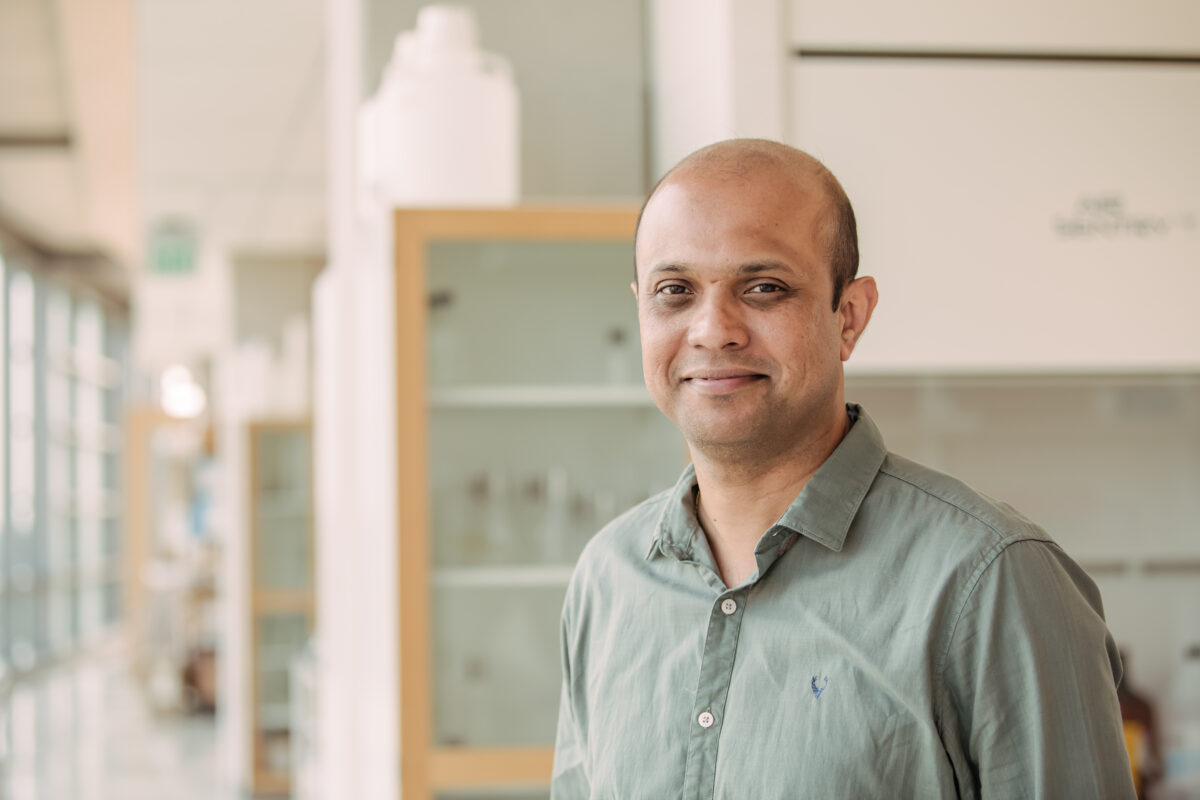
[[84, 731]]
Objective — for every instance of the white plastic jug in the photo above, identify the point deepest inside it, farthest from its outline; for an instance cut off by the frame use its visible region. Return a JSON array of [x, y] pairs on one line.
[[443, 128]]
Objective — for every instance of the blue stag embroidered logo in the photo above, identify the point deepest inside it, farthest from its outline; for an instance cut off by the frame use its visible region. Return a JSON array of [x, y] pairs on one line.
[[817, 692]]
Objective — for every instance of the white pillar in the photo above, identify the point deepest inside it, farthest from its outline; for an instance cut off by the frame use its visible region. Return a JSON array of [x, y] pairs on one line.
[[718, 70], [357, 728]]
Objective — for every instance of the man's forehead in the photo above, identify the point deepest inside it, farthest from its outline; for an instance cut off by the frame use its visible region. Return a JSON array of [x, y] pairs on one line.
[[789, 189], [743, 202], [754, 161]]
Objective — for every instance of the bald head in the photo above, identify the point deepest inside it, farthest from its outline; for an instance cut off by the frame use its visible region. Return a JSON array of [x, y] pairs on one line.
[[750, 159]]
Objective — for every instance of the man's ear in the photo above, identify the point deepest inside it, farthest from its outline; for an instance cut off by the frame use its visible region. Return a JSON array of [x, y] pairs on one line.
[[633, 285], [858, 303]]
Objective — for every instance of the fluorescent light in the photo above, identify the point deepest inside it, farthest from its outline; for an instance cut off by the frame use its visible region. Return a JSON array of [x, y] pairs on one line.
[[181, 396]]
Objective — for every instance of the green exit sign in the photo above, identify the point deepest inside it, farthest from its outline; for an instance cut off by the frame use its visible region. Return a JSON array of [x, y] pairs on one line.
[[172, 249]]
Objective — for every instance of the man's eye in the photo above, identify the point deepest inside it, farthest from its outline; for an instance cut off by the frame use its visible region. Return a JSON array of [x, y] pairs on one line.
[[672, 289], [766, 288]]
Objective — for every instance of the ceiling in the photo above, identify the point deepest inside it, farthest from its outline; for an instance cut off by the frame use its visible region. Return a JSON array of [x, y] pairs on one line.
[[118, 114]]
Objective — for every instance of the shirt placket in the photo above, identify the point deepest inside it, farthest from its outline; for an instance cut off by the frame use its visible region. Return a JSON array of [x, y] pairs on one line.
[[712, 689]]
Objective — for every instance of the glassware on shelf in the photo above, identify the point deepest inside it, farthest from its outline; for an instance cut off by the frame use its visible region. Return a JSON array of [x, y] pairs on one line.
[[556, 517], [504, 518], [441, 355], [473, 537], [621, 358], [498, 530], [528, 518], [491, 519], [450, 511]]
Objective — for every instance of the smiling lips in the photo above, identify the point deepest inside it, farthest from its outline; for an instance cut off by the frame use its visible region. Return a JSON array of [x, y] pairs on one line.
[[722, 381]]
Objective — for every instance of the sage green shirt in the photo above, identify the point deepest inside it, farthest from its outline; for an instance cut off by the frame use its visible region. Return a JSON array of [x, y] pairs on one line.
[[903, 637]]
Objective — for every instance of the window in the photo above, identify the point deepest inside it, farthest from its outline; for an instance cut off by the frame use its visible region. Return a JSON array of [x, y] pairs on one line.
[[61, 350]]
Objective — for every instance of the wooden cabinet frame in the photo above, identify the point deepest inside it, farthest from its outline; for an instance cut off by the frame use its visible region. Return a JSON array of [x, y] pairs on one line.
[[426, 768], [264, 602]]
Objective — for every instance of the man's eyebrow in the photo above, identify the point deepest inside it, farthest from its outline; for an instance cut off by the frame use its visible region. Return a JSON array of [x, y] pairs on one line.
[[763, 266], [667, 267], [752, 268]]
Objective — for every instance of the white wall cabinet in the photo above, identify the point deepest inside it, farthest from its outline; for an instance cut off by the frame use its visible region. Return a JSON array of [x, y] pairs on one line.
[[1019, 217], [1022, 215]]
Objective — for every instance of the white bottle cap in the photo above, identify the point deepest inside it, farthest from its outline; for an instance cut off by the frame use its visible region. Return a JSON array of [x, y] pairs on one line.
[[447, 33]]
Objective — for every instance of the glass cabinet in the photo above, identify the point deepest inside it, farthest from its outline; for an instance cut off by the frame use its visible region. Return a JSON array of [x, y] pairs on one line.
[[281, 598], [523, 427]]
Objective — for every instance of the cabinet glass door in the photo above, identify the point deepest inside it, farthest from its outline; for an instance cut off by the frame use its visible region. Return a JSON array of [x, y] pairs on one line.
[[283, 542], [282, 592], [539, 432]]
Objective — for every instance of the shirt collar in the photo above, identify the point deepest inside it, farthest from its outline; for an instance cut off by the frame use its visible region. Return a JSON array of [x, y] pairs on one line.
[[677, 528], [822, 511]]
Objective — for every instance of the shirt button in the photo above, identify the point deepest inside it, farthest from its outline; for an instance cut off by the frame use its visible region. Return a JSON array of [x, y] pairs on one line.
[[728, 606], [706, 720]]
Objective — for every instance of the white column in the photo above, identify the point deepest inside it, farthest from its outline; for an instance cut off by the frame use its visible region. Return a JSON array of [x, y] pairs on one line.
[[718, 70], [233, 475], [357, 728], [373, 588], [354, 419]]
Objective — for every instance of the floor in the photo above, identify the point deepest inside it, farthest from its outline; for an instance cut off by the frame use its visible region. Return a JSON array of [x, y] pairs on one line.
[[86, 732]]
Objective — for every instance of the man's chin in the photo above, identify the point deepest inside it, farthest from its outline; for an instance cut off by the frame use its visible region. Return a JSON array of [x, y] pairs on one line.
[[722, 436]]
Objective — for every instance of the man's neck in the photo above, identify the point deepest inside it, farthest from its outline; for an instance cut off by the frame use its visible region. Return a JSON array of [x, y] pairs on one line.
[[738, 502]]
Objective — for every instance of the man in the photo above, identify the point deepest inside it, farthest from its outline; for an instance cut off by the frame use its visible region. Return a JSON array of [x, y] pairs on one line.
[[805, 614]]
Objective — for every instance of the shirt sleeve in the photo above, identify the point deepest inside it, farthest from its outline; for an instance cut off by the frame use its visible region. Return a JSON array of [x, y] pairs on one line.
[[1031, 674], [569, 779]]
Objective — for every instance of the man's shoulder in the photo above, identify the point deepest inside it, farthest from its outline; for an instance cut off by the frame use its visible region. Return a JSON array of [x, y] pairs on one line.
[[935, 497]]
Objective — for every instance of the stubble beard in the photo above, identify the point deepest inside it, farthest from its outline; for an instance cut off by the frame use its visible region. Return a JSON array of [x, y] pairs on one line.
[[761, 438], [765, 436]]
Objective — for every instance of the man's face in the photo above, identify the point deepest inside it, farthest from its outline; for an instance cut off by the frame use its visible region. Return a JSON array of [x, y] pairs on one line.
[[741, 348]]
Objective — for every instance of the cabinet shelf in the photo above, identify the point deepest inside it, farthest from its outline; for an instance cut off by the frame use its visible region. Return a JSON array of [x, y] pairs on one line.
[[539, 396], [503, 577], [1182, 565], [282, 601]]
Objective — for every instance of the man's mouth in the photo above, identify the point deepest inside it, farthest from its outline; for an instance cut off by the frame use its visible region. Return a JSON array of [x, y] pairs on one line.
[[722, 381]]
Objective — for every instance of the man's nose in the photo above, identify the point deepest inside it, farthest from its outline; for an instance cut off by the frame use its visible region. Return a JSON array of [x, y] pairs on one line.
[[718, 324]]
